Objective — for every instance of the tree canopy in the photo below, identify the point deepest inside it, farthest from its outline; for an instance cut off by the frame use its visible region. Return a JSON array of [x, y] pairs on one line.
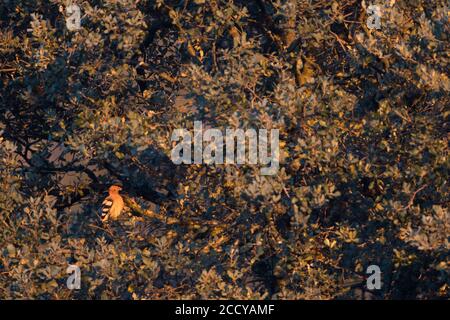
[[363, 120]]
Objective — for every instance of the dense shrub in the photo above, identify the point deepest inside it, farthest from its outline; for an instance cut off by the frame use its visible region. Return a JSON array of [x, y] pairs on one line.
[[363, 119]]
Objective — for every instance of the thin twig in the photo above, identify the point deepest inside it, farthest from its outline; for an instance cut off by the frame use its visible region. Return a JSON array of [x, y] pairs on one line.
[[411, 201], [100, 228]]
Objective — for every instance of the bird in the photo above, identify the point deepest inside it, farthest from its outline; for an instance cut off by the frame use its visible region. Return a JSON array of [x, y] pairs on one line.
[[113, 205]]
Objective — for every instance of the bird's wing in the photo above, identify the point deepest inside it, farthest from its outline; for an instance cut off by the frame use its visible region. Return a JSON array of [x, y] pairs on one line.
[[106, 207]]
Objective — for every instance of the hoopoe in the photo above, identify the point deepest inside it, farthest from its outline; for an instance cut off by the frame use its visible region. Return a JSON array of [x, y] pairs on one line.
[[112, 206]]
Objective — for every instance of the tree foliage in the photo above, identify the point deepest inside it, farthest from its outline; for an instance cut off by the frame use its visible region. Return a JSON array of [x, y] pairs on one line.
[[363, 119]]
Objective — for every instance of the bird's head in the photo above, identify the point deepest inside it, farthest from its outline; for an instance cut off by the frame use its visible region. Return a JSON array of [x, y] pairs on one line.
[[114, 189]]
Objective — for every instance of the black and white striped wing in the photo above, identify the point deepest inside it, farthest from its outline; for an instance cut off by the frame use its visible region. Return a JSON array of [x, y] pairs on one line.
[[106, 207]]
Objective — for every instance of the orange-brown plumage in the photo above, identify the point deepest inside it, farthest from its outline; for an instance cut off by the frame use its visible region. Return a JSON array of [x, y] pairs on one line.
[[113, 205]]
